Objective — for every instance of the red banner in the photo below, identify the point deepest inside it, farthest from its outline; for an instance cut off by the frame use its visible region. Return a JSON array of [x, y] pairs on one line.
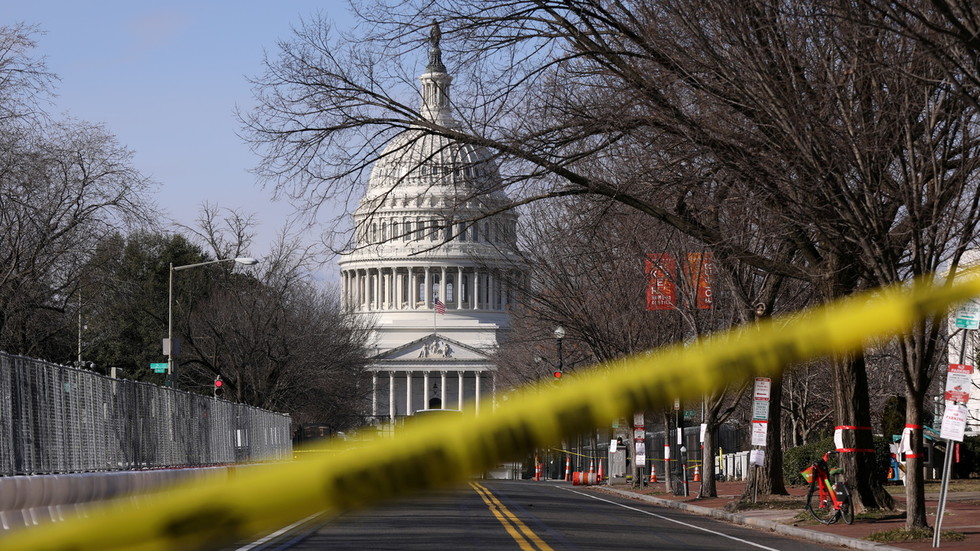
[[661, 288], [700, 272]]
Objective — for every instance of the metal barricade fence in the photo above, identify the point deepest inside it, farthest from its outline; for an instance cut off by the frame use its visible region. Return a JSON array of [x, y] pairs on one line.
[[57, 419]]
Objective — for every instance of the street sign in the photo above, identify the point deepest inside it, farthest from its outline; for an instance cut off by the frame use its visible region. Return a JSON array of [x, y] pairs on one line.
[[954, 422], [761, 392], [959, 381], [968, 316], [759, 429], [159, 367]]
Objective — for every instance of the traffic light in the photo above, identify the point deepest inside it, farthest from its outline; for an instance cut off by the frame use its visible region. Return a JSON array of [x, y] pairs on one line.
[[219, 386], [558, 374]]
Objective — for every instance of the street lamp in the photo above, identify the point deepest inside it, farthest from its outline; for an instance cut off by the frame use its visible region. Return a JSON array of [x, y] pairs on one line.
[[559, 335], [245, 260]]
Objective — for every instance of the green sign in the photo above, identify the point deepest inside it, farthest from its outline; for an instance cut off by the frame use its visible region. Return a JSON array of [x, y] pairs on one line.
[[159, 368], [968, 316]]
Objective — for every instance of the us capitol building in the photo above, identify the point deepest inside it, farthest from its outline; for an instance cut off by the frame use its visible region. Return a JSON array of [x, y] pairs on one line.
[[430, 268]]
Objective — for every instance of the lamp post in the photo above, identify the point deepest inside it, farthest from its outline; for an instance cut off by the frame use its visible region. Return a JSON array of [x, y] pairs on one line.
[[559, 335], [245, 260]]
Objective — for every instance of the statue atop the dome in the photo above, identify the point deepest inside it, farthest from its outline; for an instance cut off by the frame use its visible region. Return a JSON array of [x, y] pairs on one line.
[[435, 53]]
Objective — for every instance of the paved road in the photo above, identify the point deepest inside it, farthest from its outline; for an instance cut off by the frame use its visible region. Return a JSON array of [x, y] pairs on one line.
[[543, 516]]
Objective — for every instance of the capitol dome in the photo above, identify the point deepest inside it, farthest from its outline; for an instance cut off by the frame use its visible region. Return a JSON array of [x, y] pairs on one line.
[[431, 268], [418, 163]]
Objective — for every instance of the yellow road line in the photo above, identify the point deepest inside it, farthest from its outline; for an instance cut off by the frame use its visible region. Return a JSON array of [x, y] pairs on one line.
[[522, 534]]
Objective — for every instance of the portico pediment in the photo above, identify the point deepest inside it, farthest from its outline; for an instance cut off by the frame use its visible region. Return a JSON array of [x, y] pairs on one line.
[[433, 348]]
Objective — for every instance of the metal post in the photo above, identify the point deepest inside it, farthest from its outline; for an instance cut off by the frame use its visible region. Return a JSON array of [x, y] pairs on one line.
[[79, 328], [947, 464], [170, 329], [947, 467]]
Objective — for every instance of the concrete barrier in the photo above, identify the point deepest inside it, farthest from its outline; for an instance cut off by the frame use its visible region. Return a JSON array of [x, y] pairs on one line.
[[34, 500]]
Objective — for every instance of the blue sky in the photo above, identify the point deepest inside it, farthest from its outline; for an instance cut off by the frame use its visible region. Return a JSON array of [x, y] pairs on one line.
[[165, 79]]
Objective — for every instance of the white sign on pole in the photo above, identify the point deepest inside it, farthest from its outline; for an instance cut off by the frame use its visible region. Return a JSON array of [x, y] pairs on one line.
[[760, 410], [704, 428], [612, 445], [954, 422], [968, 316], [759, 429], [641, 453], [757, 457], [638, 420], [959, 381], [762, 388]]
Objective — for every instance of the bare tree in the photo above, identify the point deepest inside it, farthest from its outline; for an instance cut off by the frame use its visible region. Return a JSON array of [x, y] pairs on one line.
[[276, 338], [24, 80], [63, 186], [61, 190], [850, 139]]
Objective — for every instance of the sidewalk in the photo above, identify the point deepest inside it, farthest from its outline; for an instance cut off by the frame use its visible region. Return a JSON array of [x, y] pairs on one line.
[[962, 515]]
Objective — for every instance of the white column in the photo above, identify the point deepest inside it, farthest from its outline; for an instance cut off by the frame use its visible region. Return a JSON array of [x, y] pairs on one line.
[[442, 389], [343, 292], [411, 288], [425, 390], [374, 394], [489, 287], [459, 288], [389, 295], [459, 374], [351, 289], [476, 399], [408, 393], [442, 285], [494, 289], [476, 288], [377, 289], [360, 290], [397, 276], [427, 290], [391, 395]]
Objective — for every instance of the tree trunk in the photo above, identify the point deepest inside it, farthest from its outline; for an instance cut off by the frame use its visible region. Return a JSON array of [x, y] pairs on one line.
[[852, 408], [768, 479], [915, 497], [708, 487]]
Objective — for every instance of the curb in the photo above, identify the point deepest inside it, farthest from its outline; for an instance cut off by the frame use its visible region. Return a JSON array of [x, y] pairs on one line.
[[777, 527]]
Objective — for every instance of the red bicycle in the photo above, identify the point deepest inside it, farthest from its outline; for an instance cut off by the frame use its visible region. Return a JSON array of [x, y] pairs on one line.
[[828, 499]]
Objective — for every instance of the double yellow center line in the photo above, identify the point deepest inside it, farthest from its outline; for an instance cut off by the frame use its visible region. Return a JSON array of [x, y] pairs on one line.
[[524, 536]]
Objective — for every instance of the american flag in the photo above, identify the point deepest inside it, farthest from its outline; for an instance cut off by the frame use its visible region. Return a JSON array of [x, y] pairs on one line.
[[440, 307]]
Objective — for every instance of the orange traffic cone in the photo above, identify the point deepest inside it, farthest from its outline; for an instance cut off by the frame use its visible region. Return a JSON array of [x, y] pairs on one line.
[[653, 473], [591, 467], [697, 474], [600, 474], [568, 468]]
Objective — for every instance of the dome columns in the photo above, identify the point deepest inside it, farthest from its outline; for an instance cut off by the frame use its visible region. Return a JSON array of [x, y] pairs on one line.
[[397, 288]]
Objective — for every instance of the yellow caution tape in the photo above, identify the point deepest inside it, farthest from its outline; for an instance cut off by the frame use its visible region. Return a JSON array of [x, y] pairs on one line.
[[442, 451]]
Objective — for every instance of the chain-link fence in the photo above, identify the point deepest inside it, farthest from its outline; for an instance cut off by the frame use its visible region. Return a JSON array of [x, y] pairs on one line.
[[57, 419]]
